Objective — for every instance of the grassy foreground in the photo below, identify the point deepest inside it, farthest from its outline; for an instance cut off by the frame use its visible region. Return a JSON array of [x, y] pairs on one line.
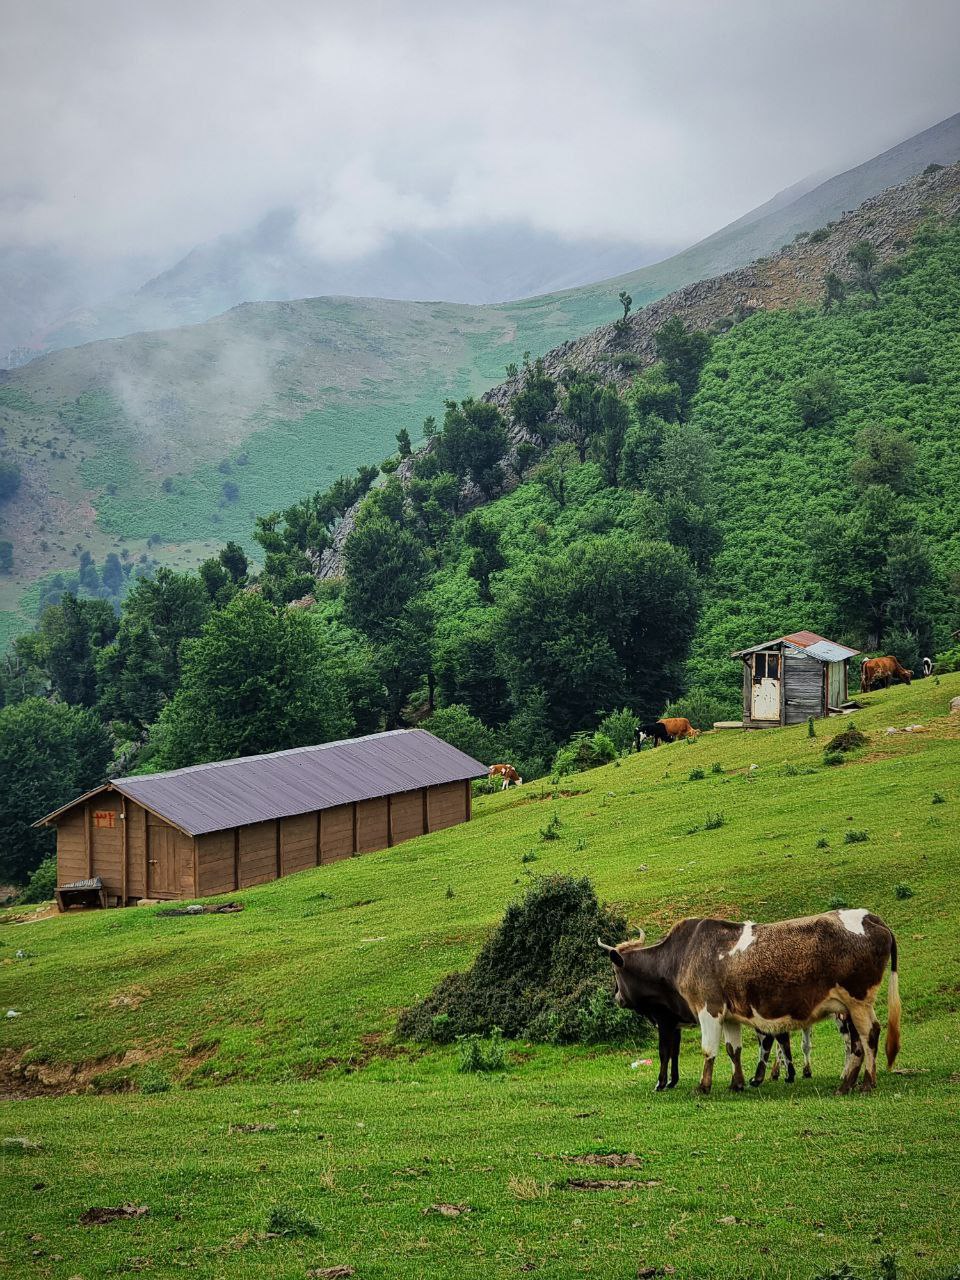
[[288, 1008]]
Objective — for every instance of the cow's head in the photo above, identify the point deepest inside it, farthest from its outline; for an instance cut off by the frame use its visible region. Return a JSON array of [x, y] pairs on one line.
[[626, 970]]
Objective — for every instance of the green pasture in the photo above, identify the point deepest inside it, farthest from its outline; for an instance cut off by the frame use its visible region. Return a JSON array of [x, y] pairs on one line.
[[175, 1029]]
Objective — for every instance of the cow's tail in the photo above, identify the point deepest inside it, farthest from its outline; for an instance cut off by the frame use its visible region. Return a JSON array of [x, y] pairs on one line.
[[892, 1044]]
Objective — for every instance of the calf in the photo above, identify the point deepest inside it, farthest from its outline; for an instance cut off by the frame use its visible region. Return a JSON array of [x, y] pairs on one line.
[[876, 671], [927, 665], [507, 772], [776, 978]]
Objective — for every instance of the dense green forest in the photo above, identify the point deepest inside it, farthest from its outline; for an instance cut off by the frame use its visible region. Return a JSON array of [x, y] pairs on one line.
[[529, 602]]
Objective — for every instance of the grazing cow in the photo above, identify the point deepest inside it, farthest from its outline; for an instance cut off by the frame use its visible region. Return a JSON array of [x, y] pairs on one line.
[[776, 978], [666, 729], [876, 671], [507, 772], [927, 666]]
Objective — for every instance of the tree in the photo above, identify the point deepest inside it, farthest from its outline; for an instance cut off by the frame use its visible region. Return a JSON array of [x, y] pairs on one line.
[[456, 725], [385, 567], [487, 554], [468, 666], [6, 556], [581, 408], [523, 458], [684, 353], [10, 478], [255, 680], [113, 576], [626, 302], [863, 256], [609, 622], [609, 442], [834, 290], [352, 662], [404, 444], [651, 393], [531, 407], [174, 607], [49, 753], [473, 443], [886, 457], [552, 474], [131, 678], [817, 399], [72, 632]]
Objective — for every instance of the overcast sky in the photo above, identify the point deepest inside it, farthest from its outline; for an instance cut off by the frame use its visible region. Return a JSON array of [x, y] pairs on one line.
[[146, 126]]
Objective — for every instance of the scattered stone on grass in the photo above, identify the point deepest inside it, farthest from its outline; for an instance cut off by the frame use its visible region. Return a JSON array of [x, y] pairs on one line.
[[252, 1128], [730, 1220], [100, 1216], [608, 1184], [448, 1210], [20, 1144], [330, 1273], [201, 909], [647, 1273], [609, 1160]]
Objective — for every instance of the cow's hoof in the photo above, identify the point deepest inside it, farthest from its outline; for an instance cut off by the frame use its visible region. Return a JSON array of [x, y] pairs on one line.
[[755, 1083], [807, 1073], [736, 1086], [673, 1083], [702, 1089], [658, 1087], [867, 1086], [790, 1079]]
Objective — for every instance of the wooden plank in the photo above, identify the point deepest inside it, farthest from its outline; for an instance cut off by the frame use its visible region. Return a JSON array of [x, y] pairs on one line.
[[356, 847], [319, 840], [389, 822], [88, 839], [236, 857], [336, 833], [468, 788], [426, 810], [125, 851], [278, 852]]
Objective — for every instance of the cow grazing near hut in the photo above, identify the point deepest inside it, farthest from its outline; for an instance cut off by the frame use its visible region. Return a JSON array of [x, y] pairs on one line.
[[666, 729], [507, 772], [927, 667], [777, 978], [881, 671]]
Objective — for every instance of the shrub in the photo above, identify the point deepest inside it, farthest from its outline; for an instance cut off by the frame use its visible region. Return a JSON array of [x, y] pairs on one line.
[[716, 767], [833, 757], [479, 1053], [43, 882], [153, 1079], [540, 975], [457, 725], [811, 731], [818, 236], [713, 821], [938, 798], [697, 775], [552, 830], [855, 837], [837, 903], [823, 843], [702, 708], [850, 739], [584, 751], [619, 727], [902, 892], [283, 1220]]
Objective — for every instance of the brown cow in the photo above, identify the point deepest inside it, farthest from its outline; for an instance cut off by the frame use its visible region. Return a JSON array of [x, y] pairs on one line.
[[776, 978], [678, 727], [882, 670], [507, 772]]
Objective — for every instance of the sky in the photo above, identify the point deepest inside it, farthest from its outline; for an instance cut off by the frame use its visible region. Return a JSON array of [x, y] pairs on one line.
[[146, 128]]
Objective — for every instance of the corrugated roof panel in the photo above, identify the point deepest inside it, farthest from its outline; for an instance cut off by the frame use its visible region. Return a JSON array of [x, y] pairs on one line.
[[804, 639], [232, 793], [828, 651]]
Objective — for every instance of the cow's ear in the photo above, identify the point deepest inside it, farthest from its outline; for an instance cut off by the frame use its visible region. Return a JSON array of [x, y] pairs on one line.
[[615, 956]]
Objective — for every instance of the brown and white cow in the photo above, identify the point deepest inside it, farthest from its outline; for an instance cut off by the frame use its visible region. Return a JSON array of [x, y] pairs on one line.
[[507, 772], [666, 729], [777, 978], [877, 671]]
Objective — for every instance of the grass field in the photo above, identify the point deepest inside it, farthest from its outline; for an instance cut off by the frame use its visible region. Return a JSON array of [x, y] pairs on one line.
[[183, 1030]]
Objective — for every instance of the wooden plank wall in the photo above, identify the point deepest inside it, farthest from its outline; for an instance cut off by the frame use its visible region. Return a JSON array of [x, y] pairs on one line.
[[258, 853], [215, 864], [106, 843], [336, 833], [803, 688], [406, 816], [372, 825], [447, 805], [71, 846], [136, 851], [299, 840]]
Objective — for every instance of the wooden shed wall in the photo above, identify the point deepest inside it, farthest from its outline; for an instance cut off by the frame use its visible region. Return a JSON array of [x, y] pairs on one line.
[[803, 688], [447, 805], [373, 829], [299, 837], [407, 815], [136, 822], [217, 862], [72, 846], [336, 833], [259, 861]]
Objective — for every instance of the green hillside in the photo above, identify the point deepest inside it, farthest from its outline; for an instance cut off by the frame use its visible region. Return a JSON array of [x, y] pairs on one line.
[[179, 437], [259, 1051]]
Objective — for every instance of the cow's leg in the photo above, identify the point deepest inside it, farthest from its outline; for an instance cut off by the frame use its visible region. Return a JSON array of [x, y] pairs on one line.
[[664, 1044], [711, 1028], [675, 1060], [766, 1044], [855, 1053], [785, 1049], [732, 1035], [506, 783], [777, 1057], [868, 1030], [807, 1042]]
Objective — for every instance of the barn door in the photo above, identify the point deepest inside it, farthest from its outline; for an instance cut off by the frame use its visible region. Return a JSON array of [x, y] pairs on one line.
[[765, 698], [163, 880]]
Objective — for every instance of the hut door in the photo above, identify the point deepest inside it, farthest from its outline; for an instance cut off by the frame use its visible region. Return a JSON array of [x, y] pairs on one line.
[[162, 878], [765, 699]]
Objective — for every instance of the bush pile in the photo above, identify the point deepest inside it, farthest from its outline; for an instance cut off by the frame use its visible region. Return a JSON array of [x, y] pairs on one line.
[[539, 976], [584, 751], [849, 740]]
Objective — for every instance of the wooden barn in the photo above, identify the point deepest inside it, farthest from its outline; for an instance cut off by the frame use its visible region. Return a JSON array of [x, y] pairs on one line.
[[214, 828], [786, 681]]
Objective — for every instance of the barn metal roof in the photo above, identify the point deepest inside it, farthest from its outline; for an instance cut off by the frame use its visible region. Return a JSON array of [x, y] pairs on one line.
[[817, 646], [232, 793]]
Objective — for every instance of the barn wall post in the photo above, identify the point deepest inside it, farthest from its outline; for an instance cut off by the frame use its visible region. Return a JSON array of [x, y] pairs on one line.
[[356, 845], [319, 835], [389, 822], [236, 858], [88, 838], [279, 852], [124, 851], [468, 788]]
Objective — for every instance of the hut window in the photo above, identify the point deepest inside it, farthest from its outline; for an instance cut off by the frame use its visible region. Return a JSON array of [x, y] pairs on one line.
[[773, 666], [766, 666]]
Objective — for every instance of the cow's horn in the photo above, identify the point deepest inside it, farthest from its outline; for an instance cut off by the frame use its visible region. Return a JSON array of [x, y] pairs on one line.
[[641, 935], [612, 952]]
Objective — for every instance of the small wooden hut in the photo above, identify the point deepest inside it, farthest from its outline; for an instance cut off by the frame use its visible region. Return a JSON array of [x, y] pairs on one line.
[[214, 828], [788, 680]]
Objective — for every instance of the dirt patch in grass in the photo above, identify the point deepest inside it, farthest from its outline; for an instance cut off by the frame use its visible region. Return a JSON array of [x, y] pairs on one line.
[[609, 1160], [608, 1184], [100, 1216]]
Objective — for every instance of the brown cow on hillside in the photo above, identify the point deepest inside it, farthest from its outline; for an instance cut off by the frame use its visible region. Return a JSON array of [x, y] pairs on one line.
[[507, 772], [678, 727], [776, 978], [882, 670]]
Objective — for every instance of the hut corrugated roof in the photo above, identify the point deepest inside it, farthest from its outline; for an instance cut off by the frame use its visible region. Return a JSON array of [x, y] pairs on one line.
[[232, 793]]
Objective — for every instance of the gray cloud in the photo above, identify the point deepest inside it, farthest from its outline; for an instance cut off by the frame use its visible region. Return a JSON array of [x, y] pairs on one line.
[[143, 129]]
